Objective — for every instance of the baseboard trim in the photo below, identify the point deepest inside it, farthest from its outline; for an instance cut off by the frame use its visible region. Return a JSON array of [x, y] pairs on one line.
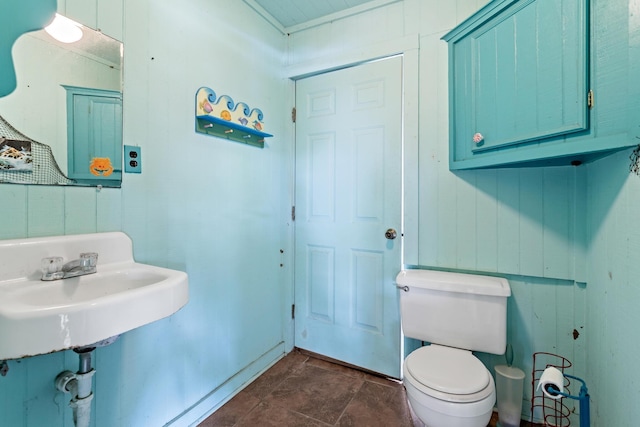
[[217, 397]]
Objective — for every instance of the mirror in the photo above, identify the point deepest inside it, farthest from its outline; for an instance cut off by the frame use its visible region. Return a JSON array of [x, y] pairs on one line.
[[57, 84]]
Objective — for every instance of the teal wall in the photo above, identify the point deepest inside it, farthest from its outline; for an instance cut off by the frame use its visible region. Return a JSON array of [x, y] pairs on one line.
[[35, 14], [613, 291], [215, 209], [566, 238]]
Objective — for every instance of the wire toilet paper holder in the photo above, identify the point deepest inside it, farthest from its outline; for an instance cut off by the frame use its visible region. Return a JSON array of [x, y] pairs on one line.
[[555, 412]]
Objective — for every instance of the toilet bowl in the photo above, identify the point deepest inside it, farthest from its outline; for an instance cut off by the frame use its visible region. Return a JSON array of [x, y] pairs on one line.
[[449, 387]]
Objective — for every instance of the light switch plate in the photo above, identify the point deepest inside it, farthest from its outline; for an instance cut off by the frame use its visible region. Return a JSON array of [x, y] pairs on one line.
[[132, 159]]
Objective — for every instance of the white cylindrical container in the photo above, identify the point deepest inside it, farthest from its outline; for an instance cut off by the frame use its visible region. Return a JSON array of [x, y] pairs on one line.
[[509, 387]]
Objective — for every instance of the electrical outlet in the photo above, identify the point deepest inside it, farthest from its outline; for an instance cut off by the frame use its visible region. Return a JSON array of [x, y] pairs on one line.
[[132, 159]]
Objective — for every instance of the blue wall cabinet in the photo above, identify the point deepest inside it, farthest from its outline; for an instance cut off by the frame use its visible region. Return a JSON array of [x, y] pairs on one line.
[[524, 81], [94, 136]]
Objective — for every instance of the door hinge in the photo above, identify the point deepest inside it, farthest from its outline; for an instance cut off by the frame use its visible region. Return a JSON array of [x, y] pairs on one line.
[[293, 311], [590, 99], [293, 213], [293, 114]]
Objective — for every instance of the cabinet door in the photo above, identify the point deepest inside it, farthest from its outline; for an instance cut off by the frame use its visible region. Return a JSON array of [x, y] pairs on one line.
[[529, 73], [519, 73], [95, 130]]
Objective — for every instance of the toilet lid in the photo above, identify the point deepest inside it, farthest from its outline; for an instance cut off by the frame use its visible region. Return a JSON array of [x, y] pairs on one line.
[[448, 370]]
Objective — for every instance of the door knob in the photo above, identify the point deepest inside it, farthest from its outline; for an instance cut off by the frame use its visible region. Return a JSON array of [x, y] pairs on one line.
[[391, 234]]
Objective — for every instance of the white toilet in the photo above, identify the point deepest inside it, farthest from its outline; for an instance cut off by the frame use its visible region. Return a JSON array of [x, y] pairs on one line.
[[446, 384]]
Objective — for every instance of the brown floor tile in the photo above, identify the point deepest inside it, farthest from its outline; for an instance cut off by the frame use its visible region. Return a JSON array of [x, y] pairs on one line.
[[377, 405], [315, 392], [301, 390], [265, 415], [232, 411], [335, 367], [268, 381], [389, 382]]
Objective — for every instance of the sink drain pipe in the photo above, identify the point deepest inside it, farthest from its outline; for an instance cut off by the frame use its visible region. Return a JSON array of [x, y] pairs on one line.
[[79, 386]]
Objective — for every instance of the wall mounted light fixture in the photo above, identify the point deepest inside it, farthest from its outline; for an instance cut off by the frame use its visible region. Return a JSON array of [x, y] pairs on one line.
[[64, 29]]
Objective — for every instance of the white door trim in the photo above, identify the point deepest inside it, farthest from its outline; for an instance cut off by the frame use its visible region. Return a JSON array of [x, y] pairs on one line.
[[352, 57]]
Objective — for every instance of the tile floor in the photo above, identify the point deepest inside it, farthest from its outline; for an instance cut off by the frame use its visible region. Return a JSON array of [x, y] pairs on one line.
[[302, 390]]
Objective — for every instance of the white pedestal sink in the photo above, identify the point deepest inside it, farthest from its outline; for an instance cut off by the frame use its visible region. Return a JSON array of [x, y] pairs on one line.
[[38, 317]]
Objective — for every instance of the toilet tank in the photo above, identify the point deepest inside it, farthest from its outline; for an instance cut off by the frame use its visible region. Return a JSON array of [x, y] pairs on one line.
[[459, 310]]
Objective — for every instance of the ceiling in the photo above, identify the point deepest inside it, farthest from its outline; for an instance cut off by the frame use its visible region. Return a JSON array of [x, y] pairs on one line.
[[93, 44], [294, 15]]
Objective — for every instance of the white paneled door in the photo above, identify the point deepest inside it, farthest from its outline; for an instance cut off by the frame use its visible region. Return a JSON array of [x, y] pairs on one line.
[[348, 206]]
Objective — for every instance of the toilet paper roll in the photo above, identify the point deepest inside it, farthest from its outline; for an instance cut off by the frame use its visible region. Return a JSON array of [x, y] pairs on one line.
[[552, 382]]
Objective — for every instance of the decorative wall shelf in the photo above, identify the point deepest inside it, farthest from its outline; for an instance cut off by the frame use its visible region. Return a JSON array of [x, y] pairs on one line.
[[223, 118]]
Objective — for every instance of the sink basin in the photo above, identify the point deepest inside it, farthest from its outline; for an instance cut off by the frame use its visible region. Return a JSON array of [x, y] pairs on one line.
[[38, 317], [112, 281]]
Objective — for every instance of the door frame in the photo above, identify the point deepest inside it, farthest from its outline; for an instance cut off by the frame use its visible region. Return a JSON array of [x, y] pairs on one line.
[[408, 47]]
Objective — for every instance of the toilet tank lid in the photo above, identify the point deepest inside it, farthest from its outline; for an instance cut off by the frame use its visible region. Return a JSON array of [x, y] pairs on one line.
[[454, 282]]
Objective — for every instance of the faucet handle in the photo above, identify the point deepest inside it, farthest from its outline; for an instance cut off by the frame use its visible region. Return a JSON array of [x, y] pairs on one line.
[[51, 264], [89, 259], [51, 268]]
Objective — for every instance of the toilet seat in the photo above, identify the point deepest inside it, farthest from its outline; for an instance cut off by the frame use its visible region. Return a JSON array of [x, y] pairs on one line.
[[448, 374]]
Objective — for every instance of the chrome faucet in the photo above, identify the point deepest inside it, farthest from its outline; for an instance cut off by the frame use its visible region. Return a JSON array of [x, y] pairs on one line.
[[54, 269]]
